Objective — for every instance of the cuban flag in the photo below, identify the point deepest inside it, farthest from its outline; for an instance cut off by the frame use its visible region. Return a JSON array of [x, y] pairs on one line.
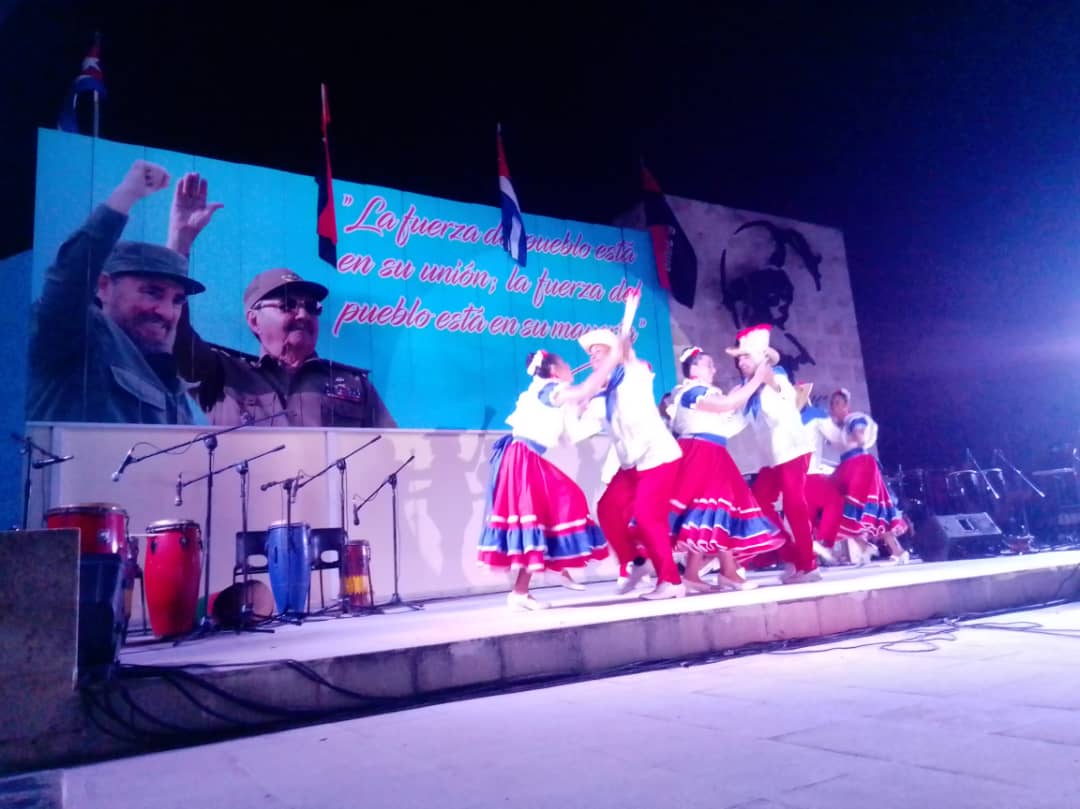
[[513, 228], [90, 80]]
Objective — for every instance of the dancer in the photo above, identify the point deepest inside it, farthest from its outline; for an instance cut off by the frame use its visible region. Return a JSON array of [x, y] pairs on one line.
[[826, 439], [648, 457], [537, 517], [712, 509], [774, 417], [864, 511]]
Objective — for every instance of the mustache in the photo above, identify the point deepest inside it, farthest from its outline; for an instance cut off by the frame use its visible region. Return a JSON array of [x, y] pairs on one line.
[[153, 320], [300, 325]]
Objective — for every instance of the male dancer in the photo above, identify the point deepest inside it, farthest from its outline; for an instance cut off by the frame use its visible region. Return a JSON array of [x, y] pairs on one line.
[[774, 418]]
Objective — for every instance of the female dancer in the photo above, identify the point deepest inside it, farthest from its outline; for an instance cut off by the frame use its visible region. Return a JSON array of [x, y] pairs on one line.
[[712, 509], [538, 518], [864, 511]]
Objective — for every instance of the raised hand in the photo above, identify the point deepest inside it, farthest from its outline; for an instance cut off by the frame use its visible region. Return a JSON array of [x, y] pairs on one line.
[[190, 212], [142, 180]]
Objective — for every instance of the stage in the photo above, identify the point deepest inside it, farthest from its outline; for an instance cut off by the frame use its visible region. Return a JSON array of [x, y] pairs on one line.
[[329, 667]]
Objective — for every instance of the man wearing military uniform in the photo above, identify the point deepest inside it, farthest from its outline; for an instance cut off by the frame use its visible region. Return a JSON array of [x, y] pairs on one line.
[[101, 343], [282, 311]]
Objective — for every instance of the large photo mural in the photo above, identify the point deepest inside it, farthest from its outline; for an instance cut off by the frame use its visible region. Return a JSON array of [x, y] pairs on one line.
[[172, 289]]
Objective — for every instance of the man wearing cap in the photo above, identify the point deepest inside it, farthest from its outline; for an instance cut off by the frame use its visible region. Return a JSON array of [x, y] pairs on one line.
[[282, 310], [101, 343], [648, 461], [777, 426]]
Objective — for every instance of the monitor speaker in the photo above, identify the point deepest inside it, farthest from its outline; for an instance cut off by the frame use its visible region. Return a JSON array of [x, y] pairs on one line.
[[957, 536]]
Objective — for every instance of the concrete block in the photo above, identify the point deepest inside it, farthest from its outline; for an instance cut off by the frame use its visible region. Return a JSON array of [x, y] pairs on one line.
[[791, 620], [605, 646], [538, 653], [737, 627], [458, 664]]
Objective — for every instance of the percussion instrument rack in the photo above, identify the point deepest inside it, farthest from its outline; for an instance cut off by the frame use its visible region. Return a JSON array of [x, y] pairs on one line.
[[210, 441]]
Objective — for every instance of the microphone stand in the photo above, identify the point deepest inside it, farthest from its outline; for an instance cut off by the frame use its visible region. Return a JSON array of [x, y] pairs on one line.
[[290, 486], [985, 480], [210, 441], [242, 468], [391, 481], [1023, 505], [341, 465], [29, 447]]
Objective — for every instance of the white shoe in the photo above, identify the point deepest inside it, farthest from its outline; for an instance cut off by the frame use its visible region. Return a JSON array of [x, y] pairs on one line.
[[903, 558], [712, 564], [800, 576], [724, 583], [860, 554], [824, 553], [567, 581], [666, 589], [627, 583], [692, 586], [524, 602]]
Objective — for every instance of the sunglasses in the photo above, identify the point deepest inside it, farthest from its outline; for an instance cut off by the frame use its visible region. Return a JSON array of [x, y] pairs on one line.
[[292, 305]]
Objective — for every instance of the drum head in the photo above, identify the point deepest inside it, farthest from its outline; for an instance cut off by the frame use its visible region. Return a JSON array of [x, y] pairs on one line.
[[282, 524], [87, 508], [161, 526]]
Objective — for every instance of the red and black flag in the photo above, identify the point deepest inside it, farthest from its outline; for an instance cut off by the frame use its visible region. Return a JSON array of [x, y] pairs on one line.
[[676, 263], [326, 225]]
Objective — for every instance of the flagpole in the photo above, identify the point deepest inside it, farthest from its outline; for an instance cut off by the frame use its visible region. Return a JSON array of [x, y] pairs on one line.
[[96, 116]]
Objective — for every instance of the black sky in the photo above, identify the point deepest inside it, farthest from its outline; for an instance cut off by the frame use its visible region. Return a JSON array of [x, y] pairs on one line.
[[942, 138]]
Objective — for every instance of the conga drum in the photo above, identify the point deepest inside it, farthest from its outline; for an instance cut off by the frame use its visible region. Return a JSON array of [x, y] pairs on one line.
[[356, 589], [288, 551], [102, 530], [102, 526], [173, 564]]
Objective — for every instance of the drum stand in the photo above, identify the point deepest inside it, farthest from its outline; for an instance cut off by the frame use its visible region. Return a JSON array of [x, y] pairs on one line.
[[341, 466], [391, 481], [29, 447], [246, 608]]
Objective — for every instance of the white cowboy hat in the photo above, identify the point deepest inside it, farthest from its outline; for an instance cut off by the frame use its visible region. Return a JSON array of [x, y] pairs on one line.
[[598, 337], [754, 342]]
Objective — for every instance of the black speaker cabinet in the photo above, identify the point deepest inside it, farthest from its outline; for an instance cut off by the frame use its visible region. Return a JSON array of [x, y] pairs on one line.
[[101, 609], [957, 536]]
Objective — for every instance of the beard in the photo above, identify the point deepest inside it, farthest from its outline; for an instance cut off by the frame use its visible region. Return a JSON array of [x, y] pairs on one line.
[[150, 333]]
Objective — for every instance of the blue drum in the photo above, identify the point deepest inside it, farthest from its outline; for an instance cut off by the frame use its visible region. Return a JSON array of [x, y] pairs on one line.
[[288, 551]]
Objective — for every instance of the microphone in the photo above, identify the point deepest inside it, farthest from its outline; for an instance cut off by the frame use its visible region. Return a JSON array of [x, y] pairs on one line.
[[51, 460], [355, 514], [266, 486], [123, 465], [179, 501]]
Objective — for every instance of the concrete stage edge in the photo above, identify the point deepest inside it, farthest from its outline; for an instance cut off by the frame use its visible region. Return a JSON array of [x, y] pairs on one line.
[[246, 683]]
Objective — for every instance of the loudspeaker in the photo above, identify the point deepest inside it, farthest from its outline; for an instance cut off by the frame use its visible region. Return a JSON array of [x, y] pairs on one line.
[[957, 536], [101, 609]]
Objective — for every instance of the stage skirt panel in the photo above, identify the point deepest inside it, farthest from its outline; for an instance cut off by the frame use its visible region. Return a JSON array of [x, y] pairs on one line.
[[537, 517], [868, 508], [712, 508]]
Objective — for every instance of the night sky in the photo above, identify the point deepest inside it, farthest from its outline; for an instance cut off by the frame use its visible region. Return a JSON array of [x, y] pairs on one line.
[[943, 139]]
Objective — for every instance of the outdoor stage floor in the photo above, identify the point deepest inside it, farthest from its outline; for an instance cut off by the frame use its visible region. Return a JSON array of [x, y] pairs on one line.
[[471, 618]]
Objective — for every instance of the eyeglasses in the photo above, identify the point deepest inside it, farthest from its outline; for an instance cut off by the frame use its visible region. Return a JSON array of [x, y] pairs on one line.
[[291, 305]]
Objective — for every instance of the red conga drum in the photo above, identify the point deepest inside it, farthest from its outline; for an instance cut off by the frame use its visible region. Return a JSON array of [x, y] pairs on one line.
[[173, 564], [356, 576], [102, 526], [102, 529]]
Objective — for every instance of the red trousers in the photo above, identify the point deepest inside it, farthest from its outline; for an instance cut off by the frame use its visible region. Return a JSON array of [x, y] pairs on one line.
[[826, 504], [643, 497], [789, 479]]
